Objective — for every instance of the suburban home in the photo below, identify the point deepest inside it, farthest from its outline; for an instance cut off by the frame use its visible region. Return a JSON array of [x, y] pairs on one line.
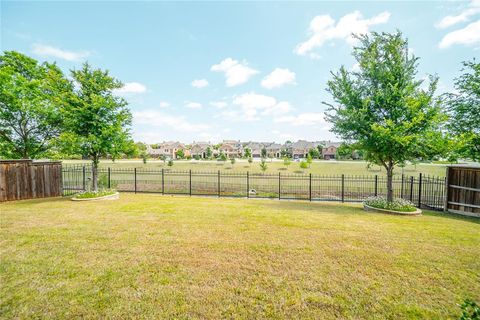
[[199, 149], [231, 148], [255, 148], [167, 149], [274, 150], [330, 150], [300, 148]]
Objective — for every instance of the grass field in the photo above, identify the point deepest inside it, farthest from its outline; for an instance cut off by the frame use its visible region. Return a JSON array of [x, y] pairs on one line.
[[317, 167], [152, 256]]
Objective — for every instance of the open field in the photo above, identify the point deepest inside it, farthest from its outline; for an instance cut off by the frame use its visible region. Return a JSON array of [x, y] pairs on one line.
[[152, 256], [317, 167]]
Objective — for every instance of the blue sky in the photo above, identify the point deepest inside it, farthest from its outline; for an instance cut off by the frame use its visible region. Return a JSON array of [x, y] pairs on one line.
[[233, 70]]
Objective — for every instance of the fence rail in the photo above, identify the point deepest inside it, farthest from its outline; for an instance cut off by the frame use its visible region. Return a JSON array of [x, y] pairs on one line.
[[423, 191]]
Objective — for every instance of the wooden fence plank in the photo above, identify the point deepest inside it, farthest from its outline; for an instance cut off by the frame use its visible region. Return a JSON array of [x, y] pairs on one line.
[[24, 179]]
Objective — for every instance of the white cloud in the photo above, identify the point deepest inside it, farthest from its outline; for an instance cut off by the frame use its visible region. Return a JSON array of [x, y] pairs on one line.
[[323, 29], [49, 51], [160, 119], [253, 105], [278, 78], [236, 73], [303, 119], [200, 83], [469, 35], [164, 104], [131, 87], [219, 104], [193, 105], [464, 16]]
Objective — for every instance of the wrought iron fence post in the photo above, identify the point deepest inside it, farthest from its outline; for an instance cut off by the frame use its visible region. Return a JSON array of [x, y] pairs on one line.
[[190, 185], [248, 185], [401, 189], [84, 178], [310, 187], [419, 190], [109, 184], [163, 181], [135, 181], [279, 190], [376, 185], [218, 184], [411, 188], [343, 188]]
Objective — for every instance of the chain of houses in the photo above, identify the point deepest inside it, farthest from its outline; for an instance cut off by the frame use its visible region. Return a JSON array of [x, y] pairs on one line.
[[237, 149]]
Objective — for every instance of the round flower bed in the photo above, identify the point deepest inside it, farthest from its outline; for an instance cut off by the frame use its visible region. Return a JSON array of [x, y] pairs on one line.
[[99, 195], [397, 206]]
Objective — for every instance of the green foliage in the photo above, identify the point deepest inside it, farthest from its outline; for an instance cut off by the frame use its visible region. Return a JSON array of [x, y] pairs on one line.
[[314, 153], [286, 161], [303, 164], [470, 310], [247, 153], [170, 163], [263, 165], [180, 154], [464, 110], [309, 159], [344, 152], [223, 156], [96, 121], [399, 204], [209, 153], [250, 160], [94, 194], [382, 107], [31, 95], [232, 161], [196, 157], [264, 153]]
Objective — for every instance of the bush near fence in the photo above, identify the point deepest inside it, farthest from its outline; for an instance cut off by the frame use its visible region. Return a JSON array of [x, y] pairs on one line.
[[424, 191]]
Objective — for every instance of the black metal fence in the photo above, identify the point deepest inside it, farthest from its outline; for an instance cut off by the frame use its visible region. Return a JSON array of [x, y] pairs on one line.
[[423, 191]]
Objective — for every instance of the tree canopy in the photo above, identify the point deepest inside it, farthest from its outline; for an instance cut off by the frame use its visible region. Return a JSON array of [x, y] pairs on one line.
[[31, 95], [383, 108], [464, 111], [96, 121]]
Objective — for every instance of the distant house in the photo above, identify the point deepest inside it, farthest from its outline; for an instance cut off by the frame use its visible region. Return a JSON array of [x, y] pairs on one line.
[[274, 150], [300, 148], [255, 148], [231, 148], [330, 150], [199, 149], [167, 149]]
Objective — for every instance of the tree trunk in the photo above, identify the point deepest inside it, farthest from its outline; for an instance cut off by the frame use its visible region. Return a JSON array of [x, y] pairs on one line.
[[390, 183], [95, 175]]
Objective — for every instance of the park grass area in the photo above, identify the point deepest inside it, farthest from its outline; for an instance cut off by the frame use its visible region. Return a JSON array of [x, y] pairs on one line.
[[321, 167], [153, 256]]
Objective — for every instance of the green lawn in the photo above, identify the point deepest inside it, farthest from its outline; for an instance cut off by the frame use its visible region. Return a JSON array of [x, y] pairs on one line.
[[317, 167], [153, 256]]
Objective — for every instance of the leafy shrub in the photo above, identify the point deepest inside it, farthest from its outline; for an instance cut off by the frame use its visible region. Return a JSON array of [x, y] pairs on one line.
[[470, 310], [170, 163], [93, 194], [398, 204], [303, 164]]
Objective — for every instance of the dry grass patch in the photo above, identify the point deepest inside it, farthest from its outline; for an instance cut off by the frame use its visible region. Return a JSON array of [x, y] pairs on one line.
[[152, 256]]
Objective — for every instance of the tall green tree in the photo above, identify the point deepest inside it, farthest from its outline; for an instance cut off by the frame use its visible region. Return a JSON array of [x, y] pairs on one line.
[[464, 110], [31, 95], [96, 120], [248, 153], [383, 108]]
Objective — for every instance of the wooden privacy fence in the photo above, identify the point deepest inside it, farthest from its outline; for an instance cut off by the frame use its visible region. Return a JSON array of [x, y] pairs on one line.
[[463, 190], [25, 179]]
